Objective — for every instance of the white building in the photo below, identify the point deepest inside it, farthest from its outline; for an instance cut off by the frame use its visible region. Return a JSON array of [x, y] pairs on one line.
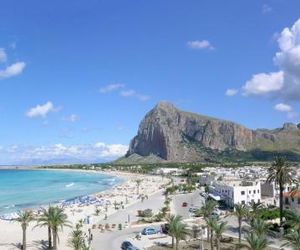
[[270, 193], [206, 179], [171, 171], [236, 191]]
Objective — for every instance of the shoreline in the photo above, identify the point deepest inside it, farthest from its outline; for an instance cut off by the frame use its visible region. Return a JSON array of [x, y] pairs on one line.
[[37, 207], [124, 193]]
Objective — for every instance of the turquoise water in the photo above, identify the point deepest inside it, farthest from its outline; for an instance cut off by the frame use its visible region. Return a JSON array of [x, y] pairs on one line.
[[31, 188]]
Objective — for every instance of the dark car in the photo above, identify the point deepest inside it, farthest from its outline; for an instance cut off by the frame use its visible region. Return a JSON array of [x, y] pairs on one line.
[[184, 204], [165, 228], [126, 245]]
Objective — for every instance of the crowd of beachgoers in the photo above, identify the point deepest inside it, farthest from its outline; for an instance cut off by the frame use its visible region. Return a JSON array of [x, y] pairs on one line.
[[89, 209]]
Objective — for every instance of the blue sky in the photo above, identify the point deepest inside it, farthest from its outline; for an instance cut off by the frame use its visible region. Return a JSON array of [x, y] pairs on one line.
[[76, 77]]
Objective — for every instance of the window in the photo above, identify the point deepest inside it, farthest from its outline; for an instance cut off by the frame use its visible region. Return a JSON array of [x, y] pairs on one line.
[[254, 191], [249, 191], [258, 191], [242, 192], [243, 202], [287, 201]]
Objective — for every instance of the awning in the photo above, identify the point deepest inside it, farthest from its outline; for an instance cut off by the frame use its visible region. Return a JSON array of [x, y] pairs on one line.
[[215, 197]]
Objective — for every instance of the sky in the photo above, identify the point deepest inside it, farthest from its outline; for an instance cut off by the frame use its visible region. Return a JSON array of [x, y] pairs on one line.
[[77, 77]]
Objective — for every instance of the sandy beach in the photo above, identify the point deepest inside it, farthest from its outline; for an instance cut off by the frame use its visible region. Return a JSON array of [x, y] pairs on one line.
[[124, 194]]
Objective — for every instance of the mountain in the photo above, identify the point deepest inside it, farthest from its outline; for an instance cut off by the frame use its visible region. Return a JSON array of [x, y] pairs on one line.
[[171, 135]]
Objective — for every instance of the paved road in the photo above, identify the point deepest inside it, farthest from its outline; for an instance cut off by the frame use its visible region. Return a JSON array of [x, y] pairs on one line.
[[113, 240], [192, 199]]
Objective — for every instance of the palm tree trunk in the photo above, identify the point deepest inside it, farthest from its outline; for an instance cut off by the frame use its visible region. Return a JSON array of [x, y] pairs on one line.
[[240, 230], [281, 202], [24, 238], [172, 241], [208, 234], [211, 239], [218, 243], [49, 237], [177, 241], [54, 239]]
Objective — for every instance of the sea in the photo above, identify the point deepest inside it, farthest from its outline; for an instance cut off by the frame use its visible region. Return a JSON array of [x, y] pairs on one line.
[[20, 189]]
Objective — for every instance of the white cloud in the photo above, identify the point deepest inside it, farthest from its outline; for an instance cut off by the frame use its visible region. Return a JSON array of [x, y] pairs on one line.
[[132, 93], [111, 88], [199, 44], [72, 118], [3, 56], [264, 83], [41, 110], [98, 152], [285, 108], [231, 92], [111, 151], [281, 107], [285, 83], [12, 70], [266, 8], [124, 93], [128, 93]]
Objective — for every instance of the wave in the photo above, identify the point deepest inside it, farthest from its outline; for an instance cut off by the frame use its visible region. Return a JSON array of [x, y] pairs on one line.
[[109, 181], [69, 185], [9, 206]]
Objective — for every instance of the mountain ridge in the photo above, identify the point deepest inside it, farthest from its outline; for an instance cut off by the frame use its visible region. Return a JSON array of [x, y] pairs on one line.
[[173, 135]]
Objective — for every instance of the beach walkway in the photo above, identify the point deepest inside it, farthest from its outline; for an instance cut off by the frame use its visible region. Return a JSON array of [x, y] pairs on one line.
[[113, 240]]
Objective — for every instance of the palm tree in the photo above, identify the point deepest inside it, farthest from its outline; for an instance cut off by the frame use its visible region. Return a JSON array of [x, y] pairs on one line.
[[293, 219], [260, 227], [24, 217], [211, 224], [138, 184], [281, 174], [172, 221], [76, 240], [292, 240], [219, 229], [45, 221], [256, 242], [240, 211], [255, 209], [206, 211], [180, 232], [58, 221], [85, 247]]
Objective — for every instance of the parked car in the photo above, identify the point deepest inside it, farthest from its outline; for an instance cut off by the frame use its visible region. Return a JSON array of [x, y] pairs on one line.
[[184, 204], [165, 228], [193, 209], [149, 231], [127, 245], [216, 214]]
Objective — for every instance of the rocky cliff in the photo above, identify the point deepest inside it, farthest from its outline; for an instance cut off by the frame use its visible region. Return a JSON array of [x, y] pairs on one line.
[[169, 134]]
